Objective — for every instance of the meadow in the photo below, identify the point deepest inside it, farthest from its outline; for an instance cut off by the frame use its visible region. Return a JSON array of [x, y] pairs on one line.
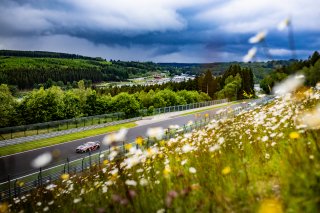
[[262, 160]]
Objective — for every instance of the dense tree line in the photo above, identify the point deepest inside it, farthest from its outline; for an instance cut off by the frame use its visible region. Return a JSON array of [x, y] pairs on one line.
[[25, 72], [42, 105], [45, 54], [25, 69], [310, 68], [206, 83]]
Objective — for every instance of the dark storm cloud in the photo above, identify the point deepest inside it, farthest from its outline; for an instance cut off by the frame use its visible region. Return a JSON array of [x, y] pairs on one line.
[[161, 30]]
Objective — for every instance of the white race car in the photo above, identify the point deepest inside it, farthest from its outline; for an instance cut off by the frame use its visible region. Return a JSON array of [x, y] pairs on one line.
[[89, 146]]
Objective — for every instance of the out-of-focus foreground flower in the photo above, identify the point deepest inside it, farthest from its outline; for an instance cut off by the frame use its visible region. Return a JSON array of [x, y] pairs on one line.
[[250, 55], [259, 37], [42, 160], [289, 85], [112, 138]]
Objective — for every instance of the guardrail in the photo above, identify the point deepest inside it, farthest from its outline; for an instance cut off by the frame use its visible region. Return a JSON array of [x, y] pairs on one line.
[[63, 132], [20, 134], [16, 187]]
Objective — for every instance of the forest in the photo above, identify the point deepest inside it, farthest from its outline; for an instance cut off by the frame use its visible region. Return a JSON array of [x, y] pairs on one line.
[[310, 68], [54, 103], [29, 69], [205, 82]]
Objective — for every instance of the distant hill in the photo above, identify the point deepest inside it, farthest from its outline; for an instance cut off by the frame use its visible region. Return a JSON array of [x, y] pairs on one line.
[[44, 54], [259, 69], [25, 69]]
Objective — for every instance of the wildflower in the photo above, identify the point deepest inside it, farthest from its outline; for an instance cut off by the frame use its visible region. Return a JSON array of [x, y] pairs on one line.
[[311, 119], [131, 182], [151, 151], [42, 160], [112, 155], [226, 170], [16, 200], [131, 193], [20, 183], [294, 135], [156, 132], [221, 140], [45, 208], [184, 162], [195, 186], [139, 141], [259, 37], [174, 127], [166, 171], [284, 24], [143, 182], [161, 211], [77, 200], [250, 55], [51, 202], [39, 204], [162, 143], [4, 207], [128, 146], [104, 189], [105, 162], [51, 186], [190, 123], [267, 156], [270, 205], [65, 176], [288, 85], [192, 170], [264, 138], [214, 148], [187, 148], [111, 138], [170, 197]]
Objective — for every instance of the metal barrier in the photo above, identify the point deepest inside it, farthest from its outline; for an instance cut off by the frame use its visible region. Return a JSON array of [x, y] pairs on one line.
[[16, 187], [63, 132], [7, 133], [53, 126]]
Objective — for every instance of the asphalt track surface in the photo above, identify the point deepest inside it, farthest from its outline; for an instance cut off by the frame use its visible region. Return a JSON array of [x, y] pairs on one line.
[[19, 164]]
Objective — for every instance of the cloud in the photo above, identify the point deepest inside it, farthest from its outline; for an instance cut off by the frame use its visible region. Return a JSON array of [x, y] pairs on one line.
[[157, 30], [251, 16], [280, 52]]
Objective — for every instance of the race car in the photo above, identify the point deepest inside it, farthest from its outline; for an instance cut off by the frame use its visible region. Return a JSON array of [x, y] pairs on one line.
[[89, 146]]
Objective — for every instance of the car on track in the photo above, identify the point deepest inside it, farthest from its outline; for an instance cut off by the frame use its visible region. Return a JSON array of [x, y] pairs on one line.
[[88, 146]]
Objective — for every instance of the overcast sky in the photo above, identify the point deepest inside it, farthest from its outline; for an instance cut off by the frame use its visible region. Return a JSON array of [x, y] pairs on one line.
[[159, 30]]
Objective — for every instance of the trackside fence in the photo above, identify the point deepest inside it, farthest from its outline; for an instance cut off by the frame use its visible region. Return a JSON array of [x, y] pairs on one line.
[[15, 132]]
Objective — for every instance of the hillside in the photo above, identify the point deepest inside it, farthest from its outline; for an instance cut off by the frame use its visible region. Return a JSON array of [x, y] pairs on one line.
[[25, 69], [259, 69]]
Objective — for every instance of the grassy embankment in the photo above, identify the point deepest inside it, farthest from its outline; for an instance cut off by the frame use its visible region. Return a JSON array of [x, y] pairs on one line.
[[265, 160], [60, 139]]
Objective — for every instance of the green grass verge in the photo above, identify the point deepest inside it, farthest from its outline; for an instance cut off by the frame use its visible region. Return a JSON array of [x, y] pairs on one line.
[[56, 128], [7, 150], [213, 107]]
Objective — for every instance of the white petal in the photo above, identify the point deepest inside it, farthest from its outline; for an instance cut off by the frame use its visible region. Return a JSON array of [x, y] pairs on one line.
[[42, 160]]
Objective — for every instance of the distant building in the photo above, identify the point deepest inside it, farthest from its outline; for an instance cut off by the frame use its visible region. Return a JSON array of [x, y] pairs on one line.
[[257, 88], [181, 78]]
